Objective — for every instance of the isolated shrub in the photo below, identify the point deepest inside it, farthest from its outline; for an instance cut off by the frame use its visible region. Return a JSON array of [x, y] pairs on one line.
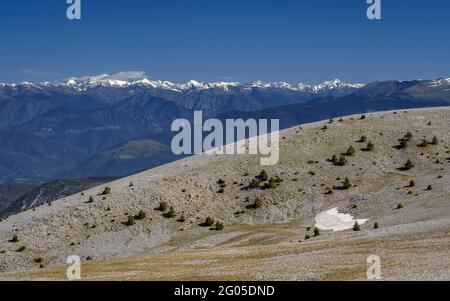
[[356, 227], [21, 249], [254, 184], [334, 159], [256, 204], [38, 260], [263, 176], [222, 183], [342, 161], [162, 207], [429, 188], [131, 184], [273, 183], [91, 200], [141, 215], [370, 147], [209, 221], [362, 139], [403, 143], [376, 226], [106, 191], [171, 213], [182, 219], [130, 221], [350, 152], [307, 236], [409, 136], [14, 239], [316, 232], [435, 141], [221, 190], [219, 226], [363, 117], [400, 206], [346, 184], [424, 143], [412, 184], [409, 165]]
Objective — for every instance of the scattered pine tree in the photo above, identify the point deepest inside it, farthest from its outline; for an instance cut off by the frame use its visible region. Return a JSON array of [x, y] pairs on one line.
[[409, 165], [219, 226], [21, 249], [435, 141], [346, 184], [171, 213], [424, 143], [106, 191], [208, 222], [130, 221], [350, 152], [316, 232], [403, 143], [370, 147], [14, 239], [263, 176], [141, 215], [162, 207]]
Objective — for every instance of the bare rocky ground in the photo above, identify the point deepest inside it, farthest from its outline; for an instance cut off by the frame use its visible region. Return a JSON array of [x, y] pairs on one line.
[[266, 243]]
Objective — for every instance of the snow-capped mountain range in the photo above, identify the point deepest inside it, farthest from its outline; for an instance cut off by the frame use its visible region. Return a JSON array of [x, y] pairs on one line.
[[193, 85], [85, 84]]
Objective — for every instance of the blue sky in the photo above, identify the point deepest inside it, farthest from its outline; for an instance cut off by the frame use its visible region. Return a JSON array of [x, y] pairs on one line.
[[233, 40]]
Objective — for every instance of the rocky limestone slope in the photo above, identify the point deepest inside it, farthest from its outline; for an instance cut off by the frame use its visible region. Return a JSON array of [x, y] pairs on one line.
[[311, 183]]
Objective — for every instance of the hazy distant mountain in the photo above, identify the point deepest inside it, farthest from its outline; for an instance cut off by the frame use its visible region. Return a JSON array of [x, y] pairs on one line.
[[377, 96], [87, 128], [10, 193], [16, 198]]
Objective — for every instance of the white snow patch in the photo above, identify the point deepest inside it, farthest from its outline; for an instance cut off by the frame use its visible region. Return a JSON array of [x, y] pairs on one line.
[[335, 221]]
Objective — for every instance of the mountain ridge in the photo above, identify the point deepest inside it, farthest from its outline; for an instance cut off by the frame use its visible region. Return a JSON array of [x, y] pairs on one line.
[[88, 83], [82, 125]]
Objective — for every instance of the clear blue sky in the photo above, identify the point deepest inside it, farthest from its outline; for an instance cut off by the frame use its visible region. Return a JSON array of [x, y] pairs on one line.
[[211, 40]]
